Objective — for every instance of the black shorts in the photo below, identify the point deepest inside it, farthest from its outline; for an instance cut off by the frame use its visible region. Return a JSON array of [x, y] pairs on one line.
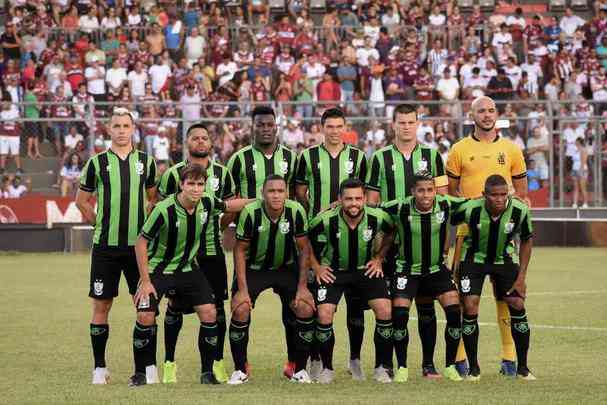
[[427, 285], [283, 282], [186, 290], [107, 263], [355, 282], [503, 276], [214, 269]]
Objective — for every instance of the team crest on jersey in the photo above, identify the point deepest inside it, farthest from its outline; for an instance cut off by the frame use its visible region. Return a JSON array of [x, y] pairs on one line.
[[422, 165], [284, 227], [98, 287], [401, 283], [440, 217], [367, 234], [509, 227], [322, 294], [284, 167], [349, 166], [501, 158], [214, 181], [204, 215], [139, 168], [465, 284]]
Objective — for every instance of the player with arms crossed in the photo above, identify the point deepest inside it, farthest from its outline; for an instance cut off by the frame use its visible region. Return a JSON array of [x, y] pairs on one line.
[[166, 249], [471, 161], [320, 171], [390, 177], [345, 239], [271, 242], [423, 219], [121, 178], [493, 222], [250, 167], [210, 258]]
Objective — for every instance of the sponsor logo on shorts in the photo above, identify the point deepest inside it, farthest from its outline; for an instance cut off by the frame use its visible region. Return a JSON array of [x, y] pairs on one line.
[[465, 284], [401, 283], [321, 294], [98, 287]]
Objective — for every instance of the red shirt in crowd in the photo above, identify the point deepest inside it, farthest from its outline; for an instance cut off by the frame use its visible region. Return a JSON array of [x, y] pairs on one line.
[[328, 90]]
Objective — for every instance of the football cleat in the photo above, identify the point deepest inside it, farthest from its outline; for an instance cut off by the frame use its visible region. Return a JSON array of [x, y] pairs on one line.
[[301, 377], [289, 369], [315, 369], [151, 375], [462, 367], [451, 373], [137, 380], [429, 372], [208, 378], [326, 376], [401, 375], [508, 368], [380, 374], [169, 372], [237, 378], [356, 370], [525, 374], [101, 375], [219, 370], [474, 374]]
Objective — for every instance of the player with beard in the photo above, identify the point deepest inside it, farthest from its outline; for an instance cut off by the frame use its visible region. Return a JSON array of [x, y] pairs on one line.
[[471, 161], [250, 167], [210, 257]]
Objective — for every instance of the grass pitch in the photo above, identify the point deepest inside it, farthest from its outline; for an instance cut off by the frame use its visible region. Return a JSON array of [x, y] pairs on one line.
[[45, 353]]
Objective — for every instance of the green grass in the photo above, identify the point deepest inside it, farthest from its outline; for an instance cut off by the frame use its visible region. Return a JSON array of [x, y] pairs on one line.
[[45, 355]]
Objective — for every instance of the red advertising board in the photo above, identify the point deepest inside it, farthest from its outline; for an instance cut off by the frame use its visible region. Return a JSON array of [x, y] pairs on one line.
[[39, 209]]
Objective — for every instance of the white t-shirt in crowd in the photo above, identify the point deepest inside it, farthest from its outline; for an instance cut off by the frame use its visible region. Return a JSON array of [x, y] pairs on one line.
[[376, 136], [95, 79], [190, 107], [72, 140], [161, 147], [137, 82], [448, 87], [195, 47], [116, 77], [16, 192], [159, 74]]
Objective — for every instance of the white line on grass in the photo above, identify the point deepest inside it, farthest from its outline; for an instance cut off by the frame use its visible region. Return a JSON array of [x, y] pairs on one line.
[[538, 326], [578, 292]]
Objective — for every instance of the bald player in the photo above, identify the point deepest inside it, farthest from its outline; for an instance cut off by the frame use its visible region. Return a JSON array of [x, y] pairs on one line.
[[471, 161]]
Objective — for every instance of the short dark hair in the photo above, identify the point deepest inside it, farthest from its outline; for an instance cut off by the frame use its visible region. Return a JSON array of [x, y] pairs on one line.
[[198, 125], [423, 175], [273, 177], [332, 113], [262, 110], [404, 109], [193, 171], [350, 183], [495, 180]]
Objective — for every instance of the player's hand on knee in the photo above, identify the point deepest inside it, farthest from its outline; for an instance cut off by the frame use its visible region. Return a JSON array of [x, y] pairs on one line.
[[520, 286], [304, 297], [144, 292], [324, 275], [374, 269], [241, 298]]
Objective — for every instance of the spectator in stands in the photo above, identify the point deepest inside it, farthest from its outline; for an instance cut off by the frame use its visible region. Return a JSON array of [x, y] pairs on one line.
[[292, 135], [95, 76], [16, 188], [329, 93], [537, 148], [533, 176], [89, 22], [70, 175], [579, 172], [500, 87], [448, 91], [162, 148], [11, 42], [33, 129], [570, 23], [10, 136]]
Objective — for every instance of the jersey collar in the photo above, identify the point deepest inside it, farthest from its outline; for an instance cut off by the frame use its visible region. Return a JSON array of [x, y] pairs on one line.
[[182, 208], [401, 153], [344, 148], [265, 212], [497, 137], [341, 216], [276, 148], [434, 206], [119, 158]]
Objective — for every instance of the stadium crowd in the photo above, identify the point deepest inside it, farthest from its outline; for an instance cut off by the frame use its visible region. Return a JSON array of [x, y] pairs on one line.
[[164, 58]]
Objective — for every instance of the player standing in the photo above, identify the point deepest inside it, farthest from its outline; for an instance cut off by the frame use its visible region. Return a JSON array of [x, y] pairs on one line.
[[250, 166], [390, 177], [210, 258], [169, 242], [493, 222], [271, 242], [121, 177], [471, 161], [423, 220], [344, 240], [320, 171]]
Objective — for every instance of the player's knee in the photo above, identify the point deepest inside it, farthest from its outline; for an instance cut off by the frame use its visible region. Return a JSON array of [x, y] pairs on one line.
[[146, 318], [471, 306], [401, 302], [304, 310], [383, 310], [325, 314], [101, 310], [515, 303], [241, 313], [207, 313]]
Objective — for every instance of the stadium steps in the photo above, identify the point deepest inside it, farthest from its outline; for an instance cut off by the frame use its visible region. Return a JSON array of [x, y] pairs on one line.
[[43, 172]]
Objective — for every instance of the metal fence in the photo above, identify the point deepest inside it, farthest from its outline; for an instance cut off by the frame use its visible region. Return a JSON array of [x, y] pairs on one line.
[[550, 114]]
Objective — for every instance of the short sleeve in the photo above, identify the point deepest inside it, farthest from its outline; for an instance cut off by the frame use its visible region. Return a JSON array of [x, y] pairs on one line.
[[151, 180], [301, 223], [302, 170], [518, 168], [458, 215], [88, 177], [391, 208], [526, 229], [373, 174], [244, 229], [454, 169], [234, 169], [218, 205], [153, 223], [440, 178], [167, 184], [362, 167]]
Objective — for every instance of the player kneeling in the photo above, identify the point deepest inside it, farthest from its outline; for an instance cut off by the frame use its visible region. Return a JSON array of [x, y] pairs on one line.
[[268, 233], [344, 240], [165, 252]]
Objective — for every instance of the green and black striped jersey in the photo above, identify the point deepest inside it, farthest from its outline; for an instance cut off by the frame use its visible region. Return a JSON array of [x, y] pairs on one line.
[[490, 241], [175, 235], [341, 248], [120, 186], [423, 236], [272, 244], [219, 184], [250, 167], [391, 174], [323, 174]]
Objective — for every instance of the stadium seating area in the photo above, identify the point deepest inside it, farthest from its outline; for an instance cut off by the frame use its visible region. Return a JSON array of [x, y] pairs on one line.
[[176, 62]]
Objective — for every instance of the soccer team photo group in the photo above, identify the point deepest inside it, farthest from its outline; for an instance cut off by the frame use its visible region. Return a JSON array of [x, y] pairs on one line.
[[313, 229]]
